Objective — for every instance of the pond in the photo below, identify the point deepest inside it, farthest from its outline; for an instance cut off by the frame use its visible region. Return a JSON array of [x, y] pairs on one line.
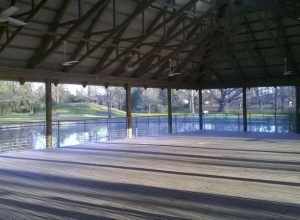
[[65, 133]]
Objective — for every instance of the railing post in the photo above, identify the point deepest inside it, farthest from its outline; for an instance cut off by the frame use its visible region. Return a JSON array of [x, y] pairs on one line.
[[200, 110], [159, 125], [298, 109], [58, 134], [170, 129], [136, 126], [48, 114], [128, 111], [275, 109], [245, 121]]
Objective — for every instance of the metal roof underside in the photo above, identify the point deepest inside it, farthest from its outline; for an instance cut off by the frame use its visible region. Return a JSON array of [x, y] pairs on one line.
[[213, 43]]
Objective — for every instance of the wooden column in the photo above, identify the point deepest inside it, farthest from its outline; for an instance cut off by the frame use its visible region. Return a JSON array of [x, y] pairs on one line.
[[245, 119], [48, 114], [170, 128], [200, 110], [128, 111], [298, 109]]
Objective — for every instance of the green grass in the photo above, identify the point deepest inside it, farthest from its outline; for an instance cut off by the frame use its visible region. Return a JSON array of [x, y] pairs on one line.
[[78, 111], [84, 110], [68, 111]]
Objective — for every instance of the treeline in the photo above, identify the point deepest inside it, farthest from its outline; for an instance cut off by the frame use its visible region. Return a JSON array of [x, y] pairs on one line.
[[30, 97]]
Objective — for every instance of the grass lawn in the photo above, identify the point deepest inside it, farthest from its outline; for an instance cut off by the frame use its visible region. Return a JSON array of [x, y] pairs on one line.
[[77, 111], [72, 111]]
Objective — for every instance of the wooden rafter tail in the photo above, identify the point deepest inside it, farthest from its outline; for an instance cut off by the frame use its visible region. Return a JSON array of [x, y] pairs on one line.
[[34, 11]]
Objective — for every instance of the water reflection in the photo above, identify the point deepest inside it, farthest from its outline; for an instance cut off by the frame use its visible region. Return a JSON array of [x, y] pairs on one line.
[[32, 135]]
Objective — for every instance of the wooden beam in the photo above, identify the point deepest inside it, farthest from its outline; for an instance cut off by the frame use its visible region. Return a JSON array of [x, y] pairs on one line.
[[280, 41], [40, 75], [69, 32], [149, 57], [34, 11], [115, 40], [148, 34], [132, 47], [48, 38], [170, 120], [259, 58], [285, 43], [164, 62], [141, 7], [88, 31], [228, 46], [48, 114]]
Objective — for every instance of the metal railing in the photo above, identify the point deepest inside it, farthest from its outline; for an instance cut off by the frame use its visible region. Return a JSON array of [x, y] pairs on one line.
[[71, 132]]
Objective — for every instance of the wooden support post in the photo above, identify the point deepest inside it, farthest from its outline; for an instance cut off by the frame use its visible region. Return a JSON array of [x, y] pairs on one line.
[[48, 114], [298, 109], [200, 110], [245, 121], [128, 111], [170, 128]]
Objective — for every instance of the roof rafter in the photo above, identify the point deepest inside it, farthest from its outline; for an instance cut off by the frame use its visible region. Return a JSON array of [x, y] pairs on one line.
[[139, 9], [34, 11], [147, 35], [131, 47], [70, 31], [259, 58], [191, 39], [88, 31], [280, 41], [149, 57], [47, 38]]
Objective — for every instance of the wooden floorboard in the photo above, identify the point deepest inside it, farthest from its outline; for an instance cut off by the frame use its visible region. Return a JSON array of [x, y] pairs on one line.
[[178, 177]]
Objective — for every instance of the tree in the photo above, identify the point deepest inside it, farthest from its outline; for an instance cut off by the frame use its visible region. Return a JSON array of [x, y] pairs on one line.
[[225, 96]]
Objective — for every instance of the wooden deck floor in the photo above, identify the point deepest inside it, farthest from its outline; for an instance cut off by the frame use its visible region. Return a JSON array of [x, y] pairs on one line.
[[155, 178]]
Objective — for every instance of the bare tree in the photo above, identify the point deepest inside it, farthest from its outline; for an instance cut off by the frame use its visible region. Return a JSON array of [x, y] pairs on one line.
[[225, 96]]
